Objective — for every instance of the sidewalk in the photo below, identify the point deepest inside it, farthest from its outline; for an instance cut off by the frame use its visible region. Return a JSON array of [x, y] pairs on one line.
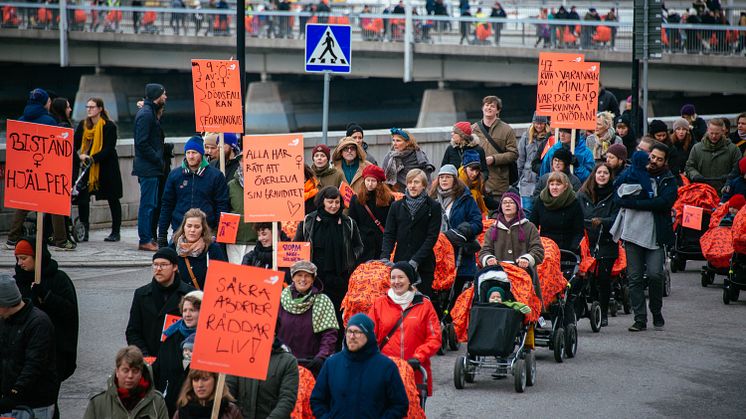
[[96, 252]]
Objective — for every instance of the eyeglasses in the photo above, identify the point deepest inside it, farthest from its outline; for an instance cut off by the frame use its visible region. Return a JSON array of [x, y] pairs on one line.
[[354, 333], [350, 148], [159, 266]]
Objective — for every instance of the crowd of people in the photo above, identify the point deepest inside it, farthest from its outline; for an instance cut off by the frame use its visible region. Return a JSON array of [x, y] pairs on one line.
[[608, 184]]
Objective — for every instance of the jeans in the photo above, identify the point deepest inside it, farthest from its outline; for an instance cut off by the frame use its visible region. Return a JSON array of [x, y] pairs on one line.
[[148, 201], [527, 203], [39, 413], [642, 261]]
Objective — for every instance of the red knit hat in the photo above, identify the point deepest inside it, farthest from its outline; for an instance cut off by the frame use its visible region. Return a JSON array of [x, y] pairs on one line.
[[742, 166], [737, 201], [375, 172], [322, 148], [464, 126], [24, 248]]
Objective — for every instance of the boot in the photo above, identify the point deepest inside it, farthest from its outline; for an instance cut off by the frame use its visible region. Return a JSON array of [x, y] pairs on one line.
[[604, 319], [87, 228]]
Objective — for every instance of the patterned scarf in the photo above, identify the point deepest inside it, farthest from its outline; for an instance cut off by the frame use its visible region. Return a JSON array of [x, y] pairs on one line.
[[93, 142], [194, 250], [414, 203], [396, 165], [322, 314]]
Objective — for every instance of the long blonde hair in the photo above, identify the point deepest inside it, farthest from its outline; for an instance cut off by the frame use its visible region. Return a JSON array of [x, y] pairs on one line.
[[206, 231]]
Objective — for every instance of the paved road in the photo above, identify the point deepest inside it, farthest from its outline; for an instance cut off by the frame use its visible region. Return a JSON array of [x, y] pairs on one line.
[[695, 368]]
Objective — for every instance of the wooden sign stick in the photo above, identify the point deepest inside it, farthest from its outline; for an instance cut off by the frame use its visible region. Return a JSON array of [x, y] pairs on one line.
[[37, 251], [218, 397], [275, 246], [572, 147], [221, 141]]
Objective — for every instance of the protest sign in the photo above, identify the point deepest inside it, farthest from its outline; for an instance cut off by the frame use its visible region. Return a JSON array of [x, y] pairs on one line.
[[217, 96], [290, 252], [574, 94], [347, 193], [38, 167], [228, 227], [168, 321], [273, 178], [692, 217], [547, 78], [236, 325]]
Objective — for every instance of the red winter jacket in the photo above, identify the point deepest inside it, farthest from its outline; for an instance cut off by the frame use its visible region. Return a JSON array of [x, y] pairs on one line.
[[417, 337]]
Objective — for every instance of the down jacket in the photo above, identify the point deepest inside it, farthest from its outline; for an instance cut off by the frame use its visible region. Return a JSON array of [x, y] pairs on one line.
[[504, 243], [465, 217], [712, 161], [107, 404], [352, 244], [606, 209]]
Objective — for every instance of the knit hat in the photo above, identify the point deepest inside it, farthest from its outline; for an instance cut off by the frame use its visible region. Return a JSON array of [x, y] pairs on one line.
[[195, 144], [470, 158], [39, 96], [195, 294], [353, 128], [408, 270], [166, 253], [230, 139], [618, 150], [688, 109], [496, 289], [154, 90], [463, 127], [563, 155], [742, 166], [364, 323], [540, 119], [448, 169], [680, 123], [210, 138], [656, 126], [737, 201], [303, 266], [375, 172], [23, 247], [10, 296], [322, 148], [622, 119], [188, 343], [517, 199]]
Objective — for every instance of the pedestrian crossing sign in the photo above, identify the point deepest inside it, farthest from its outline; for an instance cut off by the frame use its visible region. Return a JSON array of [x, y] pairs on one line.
[[328, 48]]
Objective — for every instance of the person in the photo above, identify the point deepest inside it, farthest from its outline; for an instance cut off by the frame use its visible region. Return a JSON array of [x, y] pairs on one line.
[[561, 161], [616, 159], [197, 396], [596, 198], [603, 137], [465, 27], [195, 184], [680, 143], [231, 152], [471, 174], [60, 109], [27, 347], [612, 17], [498, 12], [148, 163], [130, 392], [406, 324], [582, 162], [55, 295], [712, 159], [738, 137], [624, 131], [496, 295], [168, 156], [355, 131], [658, 130], [169, 371], [308, 325], [349, 159], [335, 244], [735, 203], [274, 397], [530, 148], [246, 234], [646, 144], [359, 381], [697, 125], [500, 147], [513, 237], [261, 255], [543, 30], [412, 226], [586, 31], [193, 242], [558, 214], [323, 169], [152, 302], [607, 102], [369, 208], [736, 185], [461, 141], [96, 146], [404, 156]]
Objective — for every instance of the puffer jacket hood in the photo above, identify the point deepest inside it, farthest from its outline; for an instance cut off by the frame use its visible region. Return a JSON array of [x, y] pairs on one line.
[[33, 112]]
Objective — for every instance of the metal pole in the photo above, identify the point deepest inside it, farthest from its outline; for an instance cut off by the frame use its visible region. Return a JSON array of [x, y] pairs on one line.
[[645, 53], [64, 62], [241, 53], [408, 41], [325, 117], [635, 88]]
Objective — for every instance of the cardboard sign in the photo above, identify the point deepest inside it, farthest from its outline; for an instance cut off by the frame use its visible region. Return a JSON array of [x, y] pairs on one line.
[[38, 167], [168, 321], [692, 217], [217, 96], [273, 173], [347, 193], [574, 95], [228, 227], [149, 360], [546, 78], [290, 252], [236, 325]]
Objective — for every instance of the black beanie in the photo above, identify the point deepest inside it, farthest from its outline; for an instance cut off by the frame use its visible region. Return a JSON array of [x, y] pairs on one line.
[[563, 155], [353, 128], [166, 253], [656, 126], [408, 270], [154, 90]]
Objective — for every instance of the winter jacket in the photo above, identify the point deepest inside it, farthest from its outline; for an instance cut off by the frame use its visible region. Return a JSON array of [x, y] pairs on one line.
[[598, 154], [368, 228], [607, 210], [297, 332], [454, 155], [660, 206], [199, 264], [339, 163], [502, 134], [148, 160], [108, 405], [205, 189], [110, 178], [504, 243], [231, 166], [678, 157], [168, 371], [464, 217], [228, 410], [246, 234], [418, 336], [148, 313], [527, 153], [712, 161], [411, 159], [414, 237], [606, 100], [352, 243], [736, 139], [273, 398], [585, 165], [28, 358], [328, 176], [563, 225], [699, 128], [542, 183], [37, 114], [734, 187]]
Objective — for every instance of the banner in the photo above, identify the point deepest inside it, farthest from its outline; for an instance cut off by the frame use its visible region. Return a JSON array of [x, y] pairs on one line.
[[574, 95], [237, 319], [546, 78], [692, 217], [38, 167], [290, 252], [228, 227], [217, 96], [273, 178]]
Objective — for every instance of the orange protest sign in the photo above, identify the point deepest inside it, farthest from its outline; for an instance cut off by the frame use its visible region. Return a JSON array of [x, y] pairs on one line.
[[290, 252], [692, 217], [228, 227], [168, 321], [38, 167], [237, 319], [217, 96], [347, 193], [273, 173], [574, 94], [546, 78]]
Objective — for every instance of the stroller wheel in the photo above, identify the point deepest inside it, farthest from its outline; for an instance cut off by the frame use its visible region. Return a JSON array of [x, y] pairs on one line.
[[674, 265], [519, 375], [666, 283], [530, 368], [453, 343], [443, 339], [78, 230], [558, 345], [595, 317], [726, 296], [613, 307], [571, 341], [459, 372]]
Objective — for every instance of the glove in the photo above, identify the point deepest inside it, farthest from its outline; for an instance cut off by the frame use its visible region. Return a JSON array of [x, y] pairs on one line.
[[40, 291], [315, 365], [387, 262], [698, 178], [465, 230], [162, 241], [595, 222], [414, 264], [414, 363], [575, 161], [472, 247]]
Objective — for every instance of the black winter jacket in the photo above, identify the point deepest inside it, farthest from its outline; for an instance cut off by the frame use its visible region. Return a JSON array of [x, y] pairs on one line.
[[454, 155], [148, 143], [414, 237], [564, 225], [110, 178], [660, 206], [351, 242], [169, 372], [199, 264], [607, 210], [370, 233]]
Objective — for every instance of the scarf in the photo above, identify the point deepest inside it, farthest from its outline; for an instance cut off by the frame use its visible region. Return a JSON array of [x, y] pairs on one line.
[[551, 203], [413, 204], [349, 170], [328, 251], [130, 398], [194, 250], [445, 198], [604, 142], [602, 192], [310, 189], [322, 309], [403, 300], [396, 165], [324, 171], [180, 327], [93, 142]]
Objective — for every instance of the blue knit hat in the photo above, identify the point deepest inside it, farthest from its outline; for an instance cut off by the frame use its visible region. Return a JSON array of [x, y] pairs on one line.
[[471, 157], [196, 144], [39, 96], [362, 321], [230, 139]]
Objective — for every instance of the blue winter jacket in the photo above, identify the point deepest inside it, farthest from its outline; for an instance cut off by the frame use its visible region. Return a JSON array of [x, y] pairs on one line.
[[735, 186], [586, 163], [148, 160], [206, 189], [465, 210], [35, 113]]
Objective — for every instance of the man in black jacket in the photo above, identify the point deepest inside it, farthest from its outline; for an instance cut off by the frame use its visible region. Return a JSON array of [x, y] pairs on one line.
[[148, 163], [28, 376], [154, 301]]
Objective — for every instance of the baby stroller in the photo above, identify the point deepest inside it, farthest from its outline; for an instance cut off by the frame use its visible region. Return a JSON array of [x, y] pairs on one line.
[[561, 333], [76, 228], [736, 279], [581, 302], [686, 240], [496, 336]]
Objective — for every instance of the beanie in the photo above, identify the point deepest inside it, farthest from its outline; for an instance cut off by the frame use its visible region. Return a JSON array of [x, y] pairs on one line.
[[10, 296], [322, 148], [563, 155], [496, 289], [742, 166], [23, 247], [195, 144], [39, 96], [688, 109], [470, 158], [188, 342], [166, 253], [622, 119], [230, 139], [210, 138], [375, 172], [364, 323], [517, 199], [154, 90], [618, 150], [540, 119], [408, 270], [196, 294], [464, 127], [448, 169], [680, 123], [656, 126], [353, 128], [737, 201]]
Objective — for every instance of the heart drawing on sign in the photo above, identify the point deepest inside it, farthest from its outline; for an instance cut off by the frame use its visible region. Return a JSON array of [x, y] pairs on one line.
[[294, 142], [64, 135], [232, 67], [293, 208]]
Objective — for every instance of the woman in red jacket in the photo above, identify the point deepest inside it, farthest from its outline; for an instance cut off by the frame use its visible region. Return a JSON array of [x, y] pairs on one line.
[[407, 326]]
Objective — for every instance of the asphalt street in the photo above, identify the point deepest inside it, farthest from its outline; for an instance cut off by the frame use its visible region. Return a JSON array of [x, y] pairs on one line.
[[694, 368]]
